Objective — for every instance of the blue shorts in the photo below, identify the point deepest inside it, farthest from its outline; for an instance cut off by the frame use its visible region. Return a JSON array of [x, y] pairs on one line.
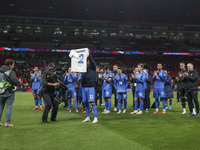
[[140, 93], [121, 96], [80, 92], [106, 93], [35, 91], [72, 94], [88, 94], [159, 92]]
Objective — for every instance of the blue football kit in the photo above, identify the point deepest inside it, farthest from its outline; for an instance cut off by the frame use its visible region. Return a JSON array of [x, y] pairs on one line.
[[121, 85], [107, 87], [159, 88], [140, 88], [70, 81], [35, 88]]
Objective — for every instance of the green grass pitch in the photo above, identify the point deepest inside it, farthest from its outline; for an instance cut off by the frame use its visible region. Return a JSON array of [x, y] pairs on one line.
[[112, 132]]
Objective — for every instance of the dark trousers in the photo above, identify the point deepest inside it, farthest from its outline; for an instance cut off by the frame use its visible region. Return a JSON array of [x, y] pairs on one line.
[[98, 92], [133, 92], [114, 92], [49, 100], [182, 94], [178, 94], [147, 99], [193, 95]]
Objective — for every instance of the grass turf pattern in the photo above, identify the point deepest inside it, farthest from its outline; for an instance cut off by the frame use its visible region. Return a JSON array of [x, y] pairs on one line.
[[124, 131]]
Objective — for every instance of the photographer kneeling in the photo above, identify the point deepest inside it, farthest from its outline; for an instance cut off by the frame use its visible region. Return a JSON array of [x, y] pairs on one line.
[[49, 82]]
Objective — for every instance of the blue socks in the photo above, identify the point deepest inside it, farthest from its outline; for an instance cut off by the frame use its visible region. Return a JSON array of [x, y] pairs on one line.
[[119, 105], [157, 103], [170, 103], [83, 105], [76, 104], [87, 109], [109, 105], [40, 102], [70, 105], [94, 108], [106, 103], [141, 105], [163, 103], [125, 104], [136, 105], [36, 101]]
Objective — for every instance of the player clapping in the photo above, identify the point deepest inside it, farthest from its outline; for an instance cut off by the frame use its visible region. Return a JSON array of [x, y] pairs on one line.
[[121, 84]]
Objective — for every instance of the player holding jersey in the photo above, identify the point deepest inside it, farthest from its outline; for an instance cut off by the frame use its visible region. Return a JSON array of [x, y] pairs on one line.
[[159, 85], [70, 80], [35, 78], [88, 89], [140, 78], [107, 88], [121, 84]]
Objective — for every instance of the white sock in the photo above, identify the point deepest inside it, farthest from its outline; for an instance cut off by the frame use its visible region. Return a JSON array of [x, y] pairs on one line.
[[163, 109], [156, 109], [194, 111], [184, 110]]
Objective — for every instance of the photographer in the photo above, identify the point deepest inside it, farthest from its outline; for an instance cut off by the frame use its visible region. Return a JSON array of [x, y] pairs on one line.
[[49, 82], [7, 96]]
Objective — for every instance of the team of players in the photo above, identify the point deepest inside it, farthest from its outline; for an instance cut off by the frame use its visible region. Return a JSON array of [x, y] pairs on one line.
[[163, 89]]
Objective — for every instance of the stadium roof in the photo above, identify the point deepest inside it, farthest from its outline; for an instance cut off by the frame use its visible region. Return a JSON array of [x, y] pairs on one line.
[[142, 11]]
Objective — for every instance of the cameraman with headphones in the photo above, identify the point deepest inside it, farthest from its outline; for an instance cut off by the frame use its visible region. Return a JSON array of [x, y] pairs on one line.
[[49, 82], [7, 96]]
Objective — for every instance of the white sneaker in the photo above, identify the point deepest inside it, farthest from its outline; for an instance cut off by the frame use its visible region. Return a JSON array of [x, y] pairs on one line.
[[183, 113], [119, 112], [104, 111], [1, 124], [87, 119], [139, 113], [107, 112], [8, 125], [134, 112], [124, 111], [115, 109], [95, 120]]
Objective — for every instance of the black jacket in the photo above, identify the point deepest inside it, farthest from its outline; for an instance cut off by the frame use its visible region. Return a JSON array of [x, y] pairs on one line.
[[89, 78], [181, 83], [99, 81], [47, 76], [134, 83], [148, 83], [12, 77], [191, 82]]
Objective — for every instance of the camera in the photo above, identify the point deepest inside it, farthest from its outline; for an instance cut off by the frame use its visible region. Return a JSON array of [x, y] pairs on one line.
[[57, 100]]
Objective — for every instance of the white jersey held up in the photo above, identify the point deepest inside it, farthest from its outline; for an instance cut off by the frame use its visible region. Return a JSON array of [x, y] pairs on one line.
[[79, 60]]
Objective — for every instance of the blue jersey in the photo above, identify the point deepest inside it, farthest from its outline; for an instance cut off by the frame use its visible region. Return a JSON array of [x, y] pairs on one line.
[[107, 85], [70, 81], [121, 83], [36, 83], [141, 79], [159, 79]]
